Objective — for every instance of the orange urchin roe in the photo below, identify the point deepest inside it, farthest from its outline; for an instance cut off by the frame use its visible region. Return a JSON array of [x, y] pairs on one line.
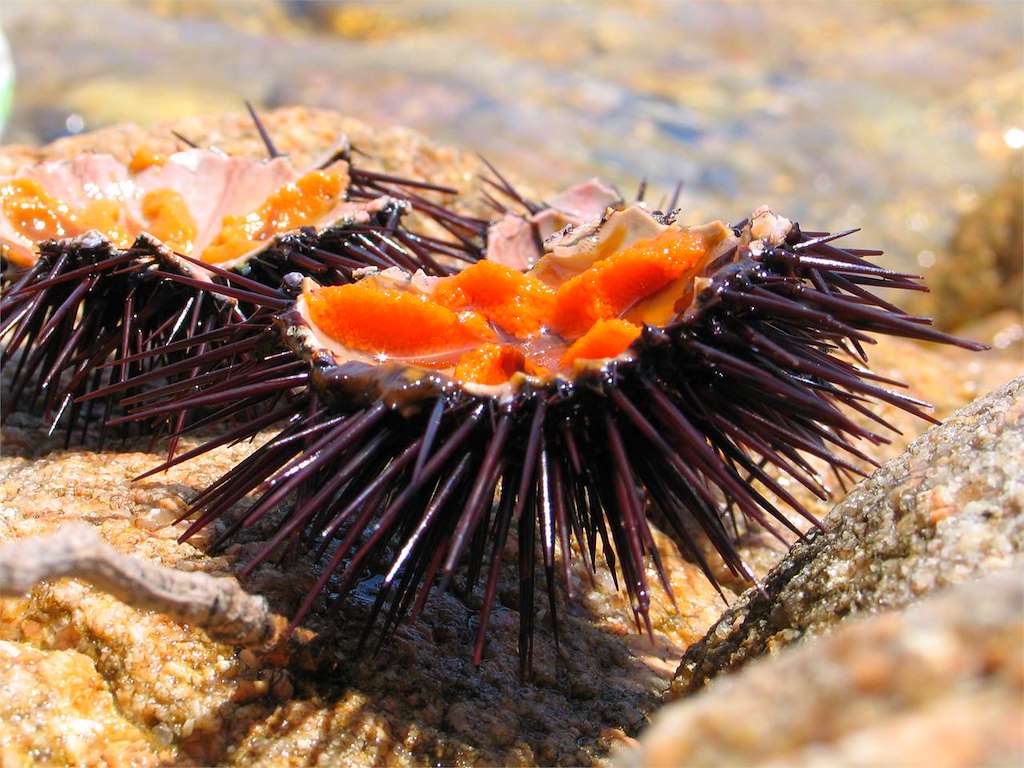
[[519, 304], [385, 321], [456, 328], [494, 364], [38, 216], [606, 338], [144, 158], [611, 286], [167, 217], [297, 204], [490, 364]]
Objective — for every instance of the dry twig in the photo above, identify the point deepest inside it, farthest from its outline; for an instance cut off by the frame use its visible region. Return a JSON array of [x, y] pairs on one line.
[[217, 604]]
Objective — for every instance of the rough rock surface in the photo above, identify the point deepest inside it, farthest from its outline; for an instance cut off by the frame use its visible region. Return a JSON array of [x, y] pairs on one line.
[[948, 508], [57, 710], [946, 378], [940, 684], [420, 700]]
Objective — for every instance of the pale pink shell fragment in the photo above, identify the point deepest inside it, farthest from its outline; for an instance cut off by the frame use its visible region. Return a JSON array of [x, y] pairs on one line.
[[212, 184], [515, 241]]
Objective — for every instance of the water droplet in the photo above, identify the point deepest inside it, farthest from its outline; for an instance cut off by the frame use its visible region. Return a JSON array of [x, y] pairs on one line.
[[75, 123]]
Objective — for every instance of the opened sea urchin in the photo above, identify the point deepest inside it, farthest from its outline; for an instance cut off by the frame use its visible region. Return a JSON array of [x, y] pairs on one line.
[[87, 245], [624, 371]]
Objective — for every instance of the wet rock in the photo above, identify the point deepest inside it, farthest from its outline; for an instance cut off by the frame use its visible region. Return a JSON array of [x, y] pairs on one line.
[[947, 378], [939, 684], [56, 710], [419, 700], [983, 270], [951, 506]]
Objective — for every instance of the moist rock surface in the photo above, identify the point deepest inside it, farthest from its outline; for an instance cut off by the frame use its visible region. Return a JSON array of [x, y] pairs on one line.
[[939, 684], [948, 508], [57, 710]]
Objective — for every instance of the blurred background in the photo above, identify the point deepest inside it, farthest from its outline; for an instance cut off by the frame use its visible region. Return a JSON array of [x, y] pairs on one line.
[[905, 118]]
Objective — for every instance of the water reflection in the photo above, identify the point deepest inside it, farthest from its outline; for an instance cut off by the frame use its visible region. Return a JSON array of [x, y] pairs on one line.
[[866, 114]]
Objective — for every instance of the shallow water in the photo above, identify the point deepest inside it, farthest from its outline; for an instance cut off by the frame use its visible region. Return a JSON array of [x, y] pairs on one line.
[[890, 116]]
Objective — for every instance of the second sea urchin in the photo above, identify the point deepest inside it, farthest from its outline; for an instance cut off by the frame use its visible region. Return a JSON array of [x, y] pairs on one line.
[[87, 246]]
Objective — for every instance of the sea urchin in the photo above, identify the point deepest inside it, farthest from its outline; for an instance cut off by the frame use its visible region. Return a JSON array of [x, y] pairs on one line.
[[628, 370], [87, 246]]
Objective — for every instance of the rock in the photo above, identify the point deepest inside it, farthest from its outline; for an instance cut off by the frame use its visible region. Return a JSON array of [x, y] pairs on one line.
[[950, 507], [989, 247], [418, 700], [56, 710], [947, 378], [939, 684]]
